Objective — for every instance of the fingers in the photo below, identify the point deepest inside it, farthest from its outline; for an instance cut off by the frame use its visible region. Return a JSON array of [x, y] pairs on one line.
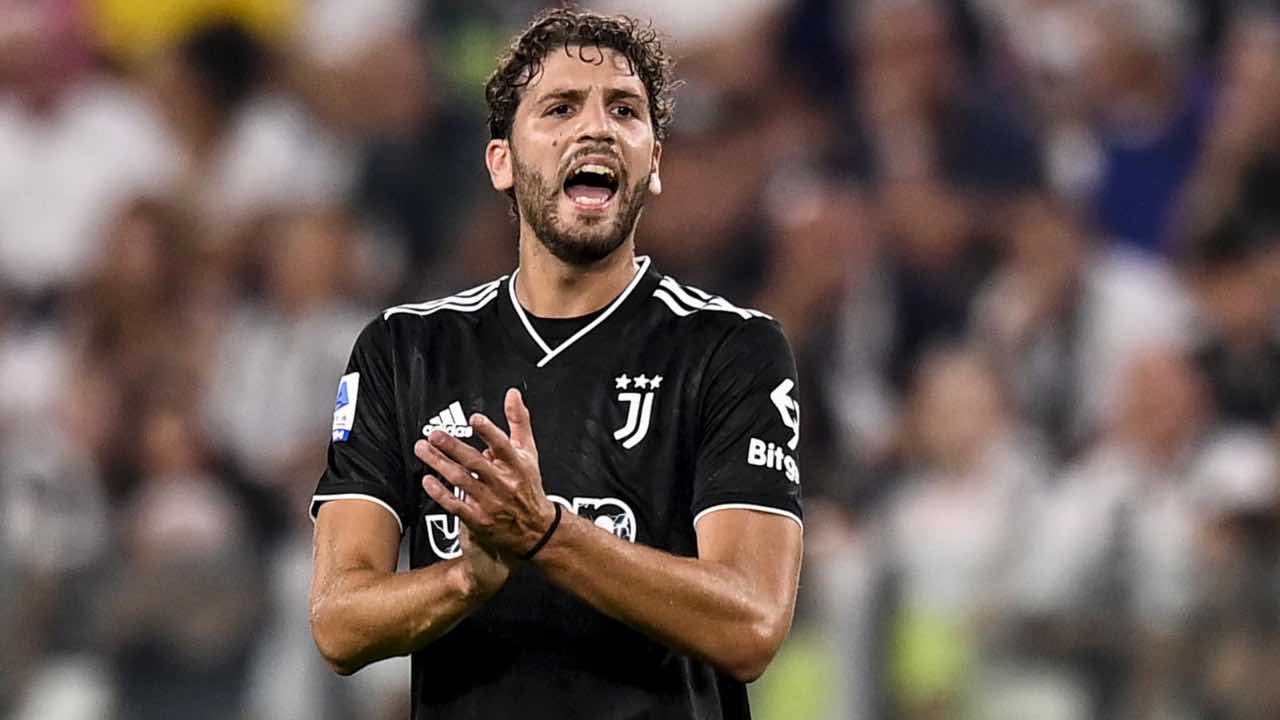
[[499, 444], [456, 450], [450, 469], [467, 512], [519, 420]]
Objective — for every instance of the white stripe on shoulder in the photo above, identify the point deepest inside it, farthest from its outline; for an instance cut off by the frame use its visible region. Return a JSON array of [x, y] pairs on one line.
[[459, 305], [685, 300], [465, 301], [671, 303], [748, 506], [462, 295], [318, 500]]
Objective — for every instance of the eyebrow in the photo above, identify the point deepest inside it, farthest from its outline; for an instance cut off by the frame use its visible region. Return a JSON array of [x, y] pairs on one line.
[[615, 94], [566, 94], [577, 95]]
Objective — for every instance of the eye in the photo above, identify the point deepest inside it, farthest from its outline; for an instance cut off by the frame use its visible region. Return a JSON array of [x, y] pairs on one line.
[[560, 110], [624, 111]]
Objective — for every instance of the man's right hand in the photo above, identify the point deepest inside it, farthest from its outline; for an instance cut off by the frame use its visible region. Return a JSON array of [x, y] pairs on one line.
[[485, 567], [362, 610]]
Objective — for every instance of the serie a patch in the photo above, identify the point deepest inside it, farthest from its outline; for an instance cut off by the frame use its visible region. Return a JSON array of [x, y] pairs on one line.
[[344, 408]]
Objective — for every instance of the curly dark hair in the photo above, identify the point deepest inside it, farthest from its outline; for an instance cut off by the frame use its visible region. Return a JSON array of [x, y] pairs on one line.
[[564, 27]]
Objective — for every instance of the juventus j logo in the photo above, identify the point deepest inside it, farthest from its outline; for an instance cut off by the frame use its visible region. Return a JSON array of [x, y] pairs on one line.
[[639, 407]]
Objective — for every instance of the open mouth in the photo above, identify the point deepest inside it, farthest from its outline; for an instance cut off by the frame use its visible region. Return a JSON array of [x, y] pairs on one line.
[[591, 185]]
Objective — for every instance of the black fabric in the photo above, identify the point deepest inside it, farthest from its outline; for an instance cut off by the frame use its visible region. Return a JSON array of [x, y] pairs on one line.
[[557, 330], [639, 460]]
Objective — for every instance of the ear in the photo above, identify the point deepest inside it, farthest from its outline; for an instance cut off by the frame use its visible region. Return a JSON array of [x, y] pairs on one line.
[[655, 182], [497, 157]]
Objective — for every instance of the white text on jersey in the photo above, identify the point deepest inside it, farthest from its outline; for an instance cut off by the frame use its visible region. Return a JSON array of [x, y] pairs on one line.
[[766, 454]]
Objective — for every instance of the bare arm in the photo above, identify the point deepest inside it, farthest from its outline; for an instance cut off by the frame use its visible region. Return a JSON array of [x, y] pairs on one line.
[[362, 610], [731, 606]]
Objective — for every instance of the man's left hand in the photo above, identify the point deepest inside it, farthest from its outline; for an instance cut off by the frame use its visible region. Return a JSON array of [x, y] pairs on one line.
[[504, 505]]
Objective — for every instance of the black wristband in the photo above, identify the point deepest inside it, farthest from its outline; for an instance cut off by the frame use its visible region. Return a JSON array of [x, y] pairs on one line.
[[555, 523]]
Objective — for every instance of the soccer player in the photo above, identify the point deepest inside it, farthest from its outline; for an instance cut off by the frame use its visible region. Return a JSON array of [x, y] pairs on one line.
[[595, 464]]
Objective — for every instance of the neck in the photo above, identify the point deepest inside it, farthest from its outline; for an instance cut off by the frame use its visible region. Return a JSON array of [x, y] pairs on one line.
[[551, 288]]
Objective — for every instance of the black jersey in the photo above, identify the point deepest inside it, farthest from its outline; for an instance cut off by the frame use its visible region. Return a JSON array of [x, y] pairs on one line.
[[668, 405]]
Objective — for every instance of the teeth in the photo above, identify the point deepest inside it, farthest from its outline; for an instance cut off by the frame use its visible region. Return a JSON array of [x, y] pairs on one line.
[[598, 169], [590, 201]]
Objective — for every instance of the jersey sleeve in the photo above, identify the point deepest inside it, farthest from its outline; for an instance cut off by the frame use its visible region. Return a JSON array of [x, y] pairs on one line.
[[750, 417], [364, 459]]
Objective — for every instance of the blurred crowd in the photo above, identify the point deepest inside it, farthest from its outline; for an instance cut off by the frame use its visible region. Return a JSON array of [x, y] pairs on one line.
[[1027, 253]]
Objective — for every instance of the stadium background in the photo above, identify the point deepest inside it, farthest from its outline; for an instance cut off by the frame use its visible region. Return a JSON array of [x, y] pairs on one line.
[[1025, 250]]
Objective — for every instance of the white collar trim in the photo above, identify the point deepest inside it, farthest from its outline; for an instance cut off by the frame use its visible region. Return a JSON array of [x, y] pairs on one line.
[[642, 263]]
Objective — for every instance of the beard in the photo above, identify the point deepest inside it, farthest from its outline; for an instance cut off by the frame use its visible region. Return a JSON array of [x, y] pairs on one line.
[[596, 238]]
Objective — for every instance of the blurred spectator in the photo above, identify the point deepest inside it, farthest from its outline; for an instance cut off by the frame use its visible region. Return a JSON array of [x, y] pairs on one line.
[[821, 236], [914, 295], [922, 114], [1240, 352], [136, 32], [1238, 631], [75, 144], [954, 526], [185, 603], [1237, 175], [335, 34], [1123, 104], [284, 351], [694, 23], [421, 163], [1112, 566], [288, 678], [33, 363], [370, 73], [1151, 108], [245, 150], [1047, 45], [723, 139], [53, 536], [1064, 315], [132, 313]]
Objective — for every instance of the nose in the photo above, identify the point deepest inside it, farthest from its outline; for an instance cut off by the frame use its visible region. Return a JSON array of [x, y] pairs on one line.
[[595, 124]]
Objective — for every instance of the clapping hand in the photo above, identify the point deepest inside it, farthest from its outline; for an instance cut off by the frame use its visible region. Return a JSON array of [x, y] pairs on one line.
[[504, 506]]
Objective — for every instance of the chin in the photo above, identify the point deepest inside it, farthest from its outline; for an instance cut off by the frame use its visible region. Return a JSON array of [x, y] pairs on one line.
[[585, 243]]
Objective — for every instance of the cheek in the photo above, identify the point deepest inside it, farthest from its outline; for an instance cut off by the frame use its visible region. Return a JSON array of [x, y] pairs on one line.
[[640, 156]]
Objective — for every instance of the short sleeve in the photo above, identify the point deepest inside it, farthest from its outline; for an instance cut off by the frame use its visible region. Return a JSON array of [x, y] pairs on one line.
[[364, 460], [750, 417]]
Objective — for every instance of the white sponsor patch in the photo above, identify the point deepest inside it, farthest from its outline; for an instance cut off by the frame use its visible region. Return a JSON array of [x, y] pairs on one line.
[[344, 408], [612, 515]]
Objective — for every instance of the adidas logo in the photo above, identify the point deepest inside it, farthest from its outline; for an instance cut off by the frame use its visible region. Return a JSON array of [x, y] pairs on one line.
[[451, 420]]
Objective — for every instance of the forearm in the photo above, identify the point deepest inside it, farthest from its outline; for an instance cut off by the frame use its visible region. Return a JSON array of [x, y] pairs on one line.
[[731, 606], [365, 615], [699, 607]]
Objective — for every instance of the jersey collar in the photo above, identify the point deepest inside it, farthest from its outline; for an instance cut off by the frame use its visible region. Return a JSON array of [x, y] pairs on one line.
[[542, 353]]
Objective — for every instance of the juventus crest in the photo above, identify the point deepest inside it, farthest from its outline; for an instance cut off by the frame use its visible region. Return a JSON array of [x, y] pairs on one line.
[[638, 395]]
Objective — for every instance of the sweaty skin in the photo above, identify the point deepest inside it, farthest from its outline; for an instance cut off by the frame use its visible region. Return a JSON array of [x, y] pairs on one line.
[[362, 610], [731, 606]]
